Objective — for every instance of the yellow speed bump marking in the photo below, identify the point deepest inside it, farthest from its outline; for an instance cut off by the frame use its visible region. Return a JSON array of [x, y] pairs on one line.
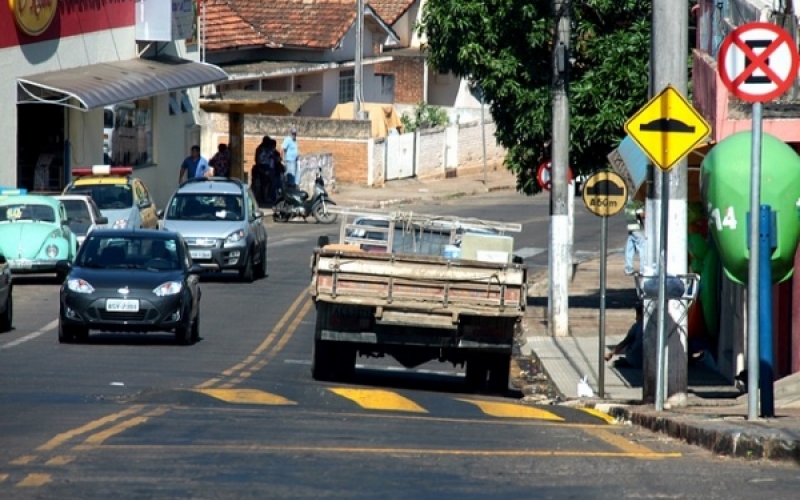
[[599, 414], [60, 460], [511, 410], [376, 399], [246, 396], [23, 460], [618, 441], [34, 479]]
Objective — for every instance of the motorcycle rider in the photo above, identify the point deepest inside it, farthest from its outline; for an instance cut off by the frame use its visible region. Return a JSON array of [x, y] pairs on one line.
[[265, 179]]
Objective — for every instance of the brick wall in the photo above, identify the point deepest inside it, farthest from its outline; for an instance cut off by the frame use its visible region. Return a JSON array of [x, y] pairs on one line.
[[409, 78]]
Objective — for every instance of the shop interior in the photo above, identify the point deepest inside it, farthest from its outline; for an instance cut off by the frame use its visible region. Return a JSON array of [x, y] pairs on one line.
[[40, 147]]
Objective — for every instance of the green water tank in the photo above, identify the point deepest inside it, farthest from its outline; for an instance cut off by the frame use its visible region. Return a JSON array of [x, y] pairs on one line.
[[725, 187]]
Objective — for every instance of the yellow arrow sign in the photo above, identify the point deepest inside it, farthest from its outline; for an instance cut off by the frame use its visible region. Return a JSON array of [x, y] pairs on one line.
[[667, 128]]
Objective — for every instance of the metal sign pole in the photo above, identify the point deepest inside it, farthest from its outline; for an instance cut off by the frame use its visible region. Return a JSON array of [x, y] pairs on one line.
[[753, 354], [662, 293], [601, 371]]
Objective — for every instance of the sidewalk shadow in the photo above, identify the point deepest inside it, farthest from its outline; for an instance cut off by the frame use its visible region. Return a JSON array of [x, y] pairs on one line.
[[703, 381], [616, 298]]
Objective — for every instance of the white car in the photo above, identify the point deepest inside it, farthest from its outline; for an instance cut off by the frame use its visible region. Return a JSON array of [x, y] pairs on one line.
[[83, 213]]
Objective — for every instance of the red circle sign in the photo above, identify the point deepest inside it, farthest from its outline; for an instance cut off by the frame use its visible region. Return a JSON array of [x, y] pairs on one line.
[[758, 62], [544, 177]]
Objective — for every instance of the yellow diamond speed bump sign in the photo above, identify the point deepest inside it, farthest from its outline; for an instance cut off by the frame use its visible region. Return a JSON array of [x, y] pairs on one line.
[[667, 128], [605, 193]]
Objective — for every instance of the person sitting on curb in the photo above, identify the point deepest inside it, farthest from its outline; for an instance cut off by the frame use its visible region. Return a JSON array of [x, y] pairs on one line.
[[632, 345]]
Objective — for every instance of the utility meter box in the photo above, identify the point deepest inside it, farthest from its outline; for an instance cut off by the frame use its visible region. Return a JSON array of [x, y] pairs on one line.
[[725, 186]]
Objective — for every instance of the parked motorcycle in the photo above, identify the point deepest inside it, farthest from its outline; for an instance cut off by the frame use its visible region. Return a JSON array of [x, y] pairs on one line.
[[293, 202]]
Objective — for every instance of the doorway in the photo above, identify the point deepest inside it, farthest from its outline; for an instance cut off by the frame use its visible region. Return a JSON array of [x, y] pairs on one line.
[[40, 147]]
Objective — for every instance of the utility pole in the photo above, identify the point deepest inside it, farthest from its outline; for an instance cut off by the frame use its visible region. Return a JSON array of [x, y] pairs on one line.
[[668, 65], [358, 70], [559, 256]]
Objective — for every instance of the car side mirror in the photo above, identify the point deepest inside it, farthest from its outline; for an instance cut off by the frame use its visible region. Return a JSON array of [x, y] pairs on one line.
[[145, 204], [160, 213], [258, 214], [63, 266], [65, 221], [196, 269], [102, 220], [3, 259]]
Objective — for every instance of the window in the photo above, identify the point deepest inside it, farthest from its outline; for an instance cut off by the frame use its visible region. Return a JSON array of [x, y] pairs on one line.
[[186, 103], [347, 85], [131, 141], [174, 106]]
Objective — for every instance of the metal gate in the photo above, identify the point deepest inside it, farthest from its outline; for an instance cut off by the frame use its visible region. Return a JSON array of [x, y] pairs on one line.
[[400, 156]]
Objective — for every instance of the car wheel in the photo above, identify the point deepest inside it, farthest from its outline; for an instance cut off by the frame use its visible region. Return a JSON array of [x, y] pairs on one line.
[[6, 321], [183, 333], [196, 328], [246, 274], [261, 267], [68, 334]]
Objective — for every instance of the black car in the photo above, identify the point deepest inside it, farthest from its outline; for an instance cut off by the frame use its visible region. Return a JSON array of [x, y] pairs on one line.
[[130, 280]]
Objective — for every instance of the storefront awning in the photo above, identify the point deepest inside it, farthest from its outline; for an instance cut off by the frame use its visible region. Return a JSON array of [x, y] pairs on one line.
[[256, 102], [99, 85]]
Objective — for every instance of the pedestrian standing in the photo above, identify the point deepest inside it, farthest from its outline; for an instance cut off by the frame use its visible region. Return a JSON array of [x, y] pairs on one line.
[[193, 165], [261, 180], [222, 161], [634, 213], [290, 157]]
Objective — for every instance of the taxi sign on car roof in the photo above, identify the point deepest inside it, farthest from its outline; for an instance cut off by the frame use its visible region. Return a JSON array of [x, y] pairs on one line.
[[7, 191], [100, 170]]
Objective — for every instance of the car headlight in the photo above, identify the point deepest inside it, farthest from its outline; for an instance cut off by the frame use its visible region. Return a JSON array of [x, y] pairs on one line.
[[79, 286], [168, 288], [51, 251], [235, 236], [120, 224]]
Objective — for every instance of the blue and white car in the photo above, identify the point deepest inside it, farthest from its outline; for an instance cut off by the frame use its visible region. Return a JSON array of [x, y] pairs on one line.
[[34, 234]]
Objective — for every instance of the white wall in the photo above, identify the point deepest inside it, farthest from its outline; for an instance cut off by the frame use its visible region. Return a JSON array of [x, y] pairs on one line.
[[330, 92]]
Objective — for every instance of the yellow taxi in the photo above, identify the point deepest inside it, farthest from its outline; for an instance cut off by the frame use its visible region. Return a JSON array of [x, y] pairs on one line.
[[123, 199]]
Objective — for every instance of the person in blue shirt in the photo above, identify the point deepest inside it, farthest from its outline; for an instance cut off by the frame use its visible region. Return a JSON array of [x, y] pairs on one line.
[[290, 156], [193, 166]]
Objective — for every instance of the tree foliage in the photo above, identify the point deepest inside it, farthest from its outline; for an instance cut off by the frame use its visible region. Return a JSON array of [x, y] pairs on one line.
[[505, 47]]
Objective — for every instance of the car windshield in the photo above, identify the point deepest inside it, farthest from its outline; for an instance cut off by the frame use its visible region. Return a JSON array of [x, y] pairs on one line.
[[13, 212], [80, 219], [219, 207], [129, 252], [107, 196]]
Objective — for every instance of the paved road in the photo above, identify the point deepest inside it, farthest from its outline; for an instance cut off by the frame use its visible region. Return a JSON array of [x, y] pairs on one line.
[[238, 416]]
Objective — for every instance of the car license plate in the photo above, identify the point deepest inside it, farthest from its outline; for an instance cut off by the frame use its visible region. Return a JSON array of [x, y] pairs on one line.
[[122, 305], [20, 264], [200, 254]]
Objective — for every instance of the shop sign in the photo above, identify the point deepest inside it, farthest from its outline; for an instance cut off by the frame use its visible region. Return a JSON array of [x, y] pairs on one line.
[[33, 17], [164, 20]]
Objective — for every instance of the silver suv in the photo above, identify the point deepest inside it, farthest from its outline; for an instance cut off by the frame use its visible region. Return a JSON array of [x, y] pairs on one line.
[[220, 221]]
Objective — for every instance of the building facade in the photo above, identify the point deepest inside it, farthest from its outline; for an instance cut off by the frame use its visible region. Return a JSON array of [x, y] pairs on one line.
[[78, 76]]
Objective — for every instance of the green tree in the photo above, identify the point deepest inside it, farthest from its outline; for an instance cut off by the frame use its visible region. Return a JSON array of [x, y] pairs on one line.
[[505, 47]]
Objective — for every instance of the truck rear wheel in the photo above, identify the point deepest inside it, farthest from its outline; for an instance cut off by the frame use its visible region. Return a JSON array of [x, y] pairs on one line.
[[499, 373], [477, 370], [322, 360]]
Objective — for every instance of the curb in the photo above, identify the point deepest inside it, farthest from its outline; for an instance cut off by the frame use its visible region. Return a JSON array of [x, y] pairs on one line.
[[714, 433]]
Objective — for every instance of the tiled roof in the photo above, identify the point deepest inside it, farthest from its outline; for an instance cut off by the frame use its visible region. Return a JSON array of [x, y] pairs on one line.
[[390, 10], [317, 24], [225, 29]]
